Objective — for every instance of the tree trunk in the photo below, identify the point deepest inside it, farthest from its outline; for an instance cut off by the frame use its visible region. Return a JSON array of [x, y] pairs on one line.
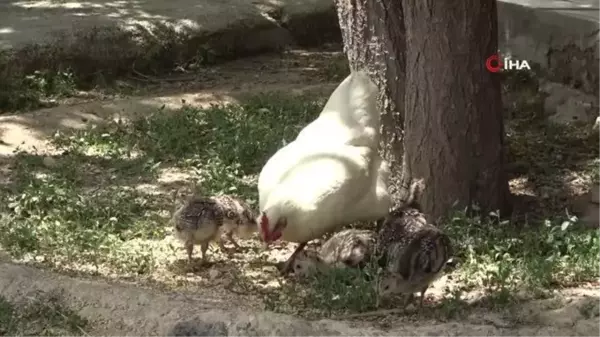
[[453, 122], [373, 35], [446, 127]]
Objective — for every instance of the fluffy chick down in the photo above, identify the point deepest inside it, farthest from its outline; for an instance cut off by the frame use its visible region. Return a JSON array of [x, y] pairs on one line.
[[414, 253], [349, 248], [202, 220]]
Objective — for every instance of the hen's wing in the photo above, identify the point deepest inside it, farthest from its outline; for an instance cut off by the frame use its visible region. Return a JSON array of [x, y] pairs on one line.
[[314, 168], [310, 175]]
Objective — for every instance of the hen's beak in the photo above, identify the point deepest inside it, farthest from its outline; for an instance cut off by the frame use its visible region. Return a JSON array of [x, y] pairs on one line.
[[265, 241]]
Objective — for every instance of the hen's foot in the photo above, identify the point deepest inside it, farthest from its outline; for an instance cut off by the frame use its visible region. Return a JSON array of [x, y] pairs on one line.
[[288, 266]]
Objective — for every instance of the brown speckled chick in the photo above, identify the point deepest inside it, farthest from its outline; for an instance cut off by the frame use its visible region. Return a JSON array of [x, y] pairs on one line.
[[413, 251], [347, 248], [204, 219]]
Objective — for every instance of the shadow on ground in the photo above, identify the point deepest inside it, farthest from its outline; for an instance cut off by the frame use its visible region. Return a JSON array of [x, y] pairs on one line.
[[548, 164]]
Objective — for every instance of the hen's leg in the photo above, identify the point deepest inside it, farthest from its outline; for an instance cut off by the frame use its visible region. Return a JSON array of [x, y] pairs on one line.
[[408, 299], [422, 297], [287, 266]]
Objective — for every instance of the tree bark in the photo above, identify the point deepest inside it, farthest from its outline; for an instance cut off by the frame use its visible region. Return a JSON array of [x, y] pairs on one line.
[[454, 128], [373, 35]]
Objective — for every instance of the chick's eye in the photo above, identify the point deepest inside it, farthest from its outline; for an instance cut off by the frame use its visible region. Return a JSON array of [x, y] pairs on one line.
[[386, 287], [298, 266]]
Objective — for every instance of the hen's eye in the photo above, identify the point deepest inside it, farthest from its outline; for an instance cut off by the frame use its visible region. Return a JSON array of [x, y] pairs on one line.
[[298, 266], [386, 288]]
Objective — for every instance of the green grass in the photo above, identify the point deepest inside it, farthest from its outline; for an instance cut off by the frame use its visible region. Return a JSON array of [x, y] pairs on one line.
[[41, 314], [500, 256], [334, 292], [336, 69], [83, 207], [54, 214], [237, 136]]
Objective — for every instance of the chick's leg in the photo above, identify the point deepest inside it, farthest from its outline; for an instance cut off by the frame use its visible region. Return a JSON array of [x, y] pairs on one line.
[[230, 238], [189, 247], [287, 266], [204, 248], [222, 247]]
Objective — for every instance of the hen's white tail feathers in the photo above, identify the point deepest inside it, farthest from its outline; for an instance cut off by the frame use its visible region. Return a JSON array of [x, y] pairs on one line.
[[350, 116]]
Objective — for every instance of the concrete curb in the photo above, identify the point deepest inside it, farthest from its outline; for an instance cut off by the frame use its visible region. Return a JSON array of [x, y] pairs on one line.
[[126, 309], [222, 31]]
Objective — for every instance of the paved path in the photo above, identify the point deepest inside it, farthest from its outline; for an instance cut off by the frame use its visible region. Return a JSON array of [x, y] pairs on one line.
[[529, 29], [23, 22], [559, 4]]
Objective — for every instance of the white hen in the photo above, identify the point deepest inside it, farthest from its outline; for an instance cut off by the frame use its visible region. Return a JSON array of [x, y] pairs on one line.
[[331, 174]]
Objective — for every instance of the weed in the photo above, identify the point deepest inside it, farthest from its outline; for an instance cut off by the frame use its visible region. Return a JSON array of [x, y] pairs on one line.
[[335, 291], [337, 68], [502, 258], [453, 304], [41, 314], [35, 90]]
